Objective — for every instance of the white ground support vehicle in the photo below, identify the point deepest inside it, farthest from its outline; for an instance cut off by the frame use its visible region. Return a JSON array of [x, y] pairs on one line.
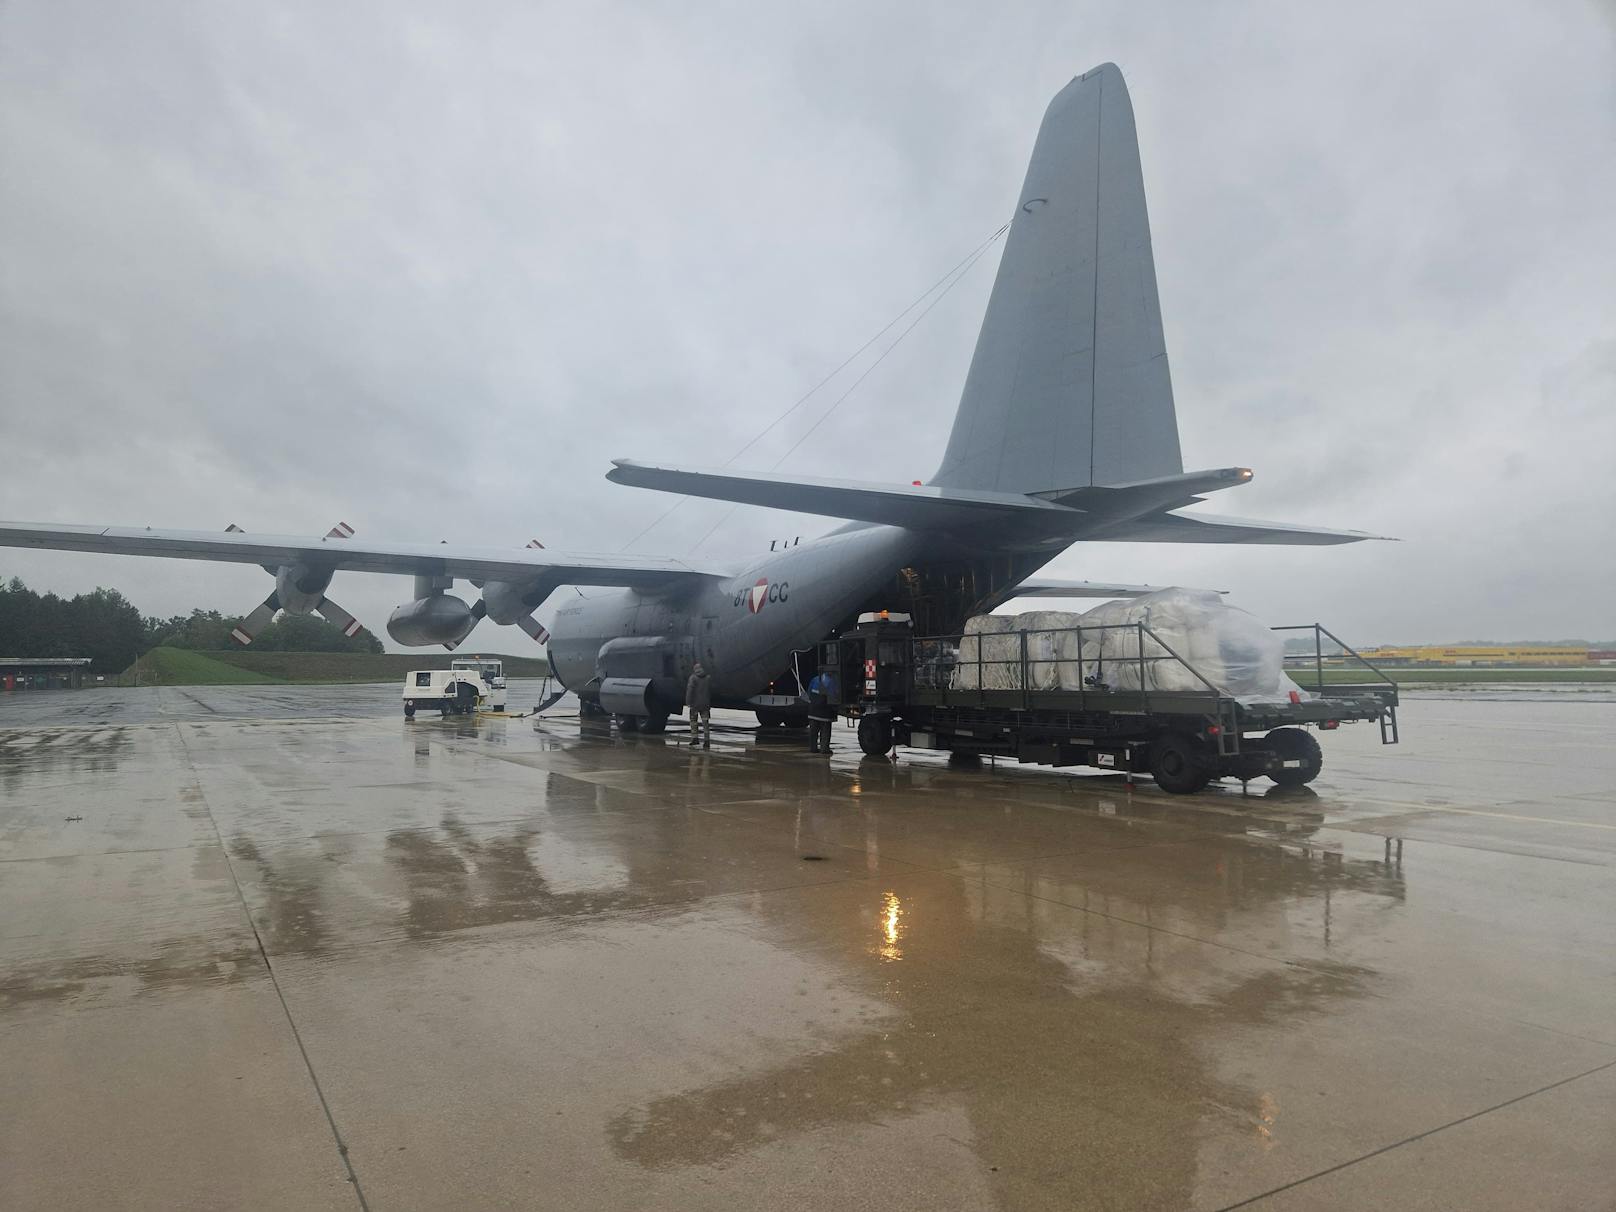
[[451, 691], [492, 672]]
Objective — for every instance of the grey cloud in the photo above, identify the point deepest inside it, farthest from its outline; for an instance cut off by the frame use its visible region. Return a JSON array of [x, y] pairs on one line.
[[270, 264]]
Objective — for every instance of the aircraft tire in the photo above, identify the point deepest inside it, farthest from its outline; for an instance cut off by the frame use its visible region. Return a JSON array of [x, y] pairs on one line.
[[1180, 764], [628, 723], [654, 724], [1292, 744], [875, 735]]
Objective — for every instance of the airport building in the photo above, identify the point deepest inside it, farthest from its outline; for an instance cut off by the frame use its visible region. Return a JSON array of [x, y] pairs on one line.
[[43, 673], [1478, 655]]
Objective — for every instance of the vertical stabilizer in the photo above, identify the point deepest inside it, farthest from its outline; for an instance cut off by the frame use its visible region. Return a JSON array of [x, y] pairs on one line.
[[1069, 384]]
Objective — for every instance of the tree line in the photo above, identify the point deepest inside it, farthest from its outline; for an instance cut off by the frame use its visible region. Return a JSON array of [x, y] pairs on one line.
[[106, 627]]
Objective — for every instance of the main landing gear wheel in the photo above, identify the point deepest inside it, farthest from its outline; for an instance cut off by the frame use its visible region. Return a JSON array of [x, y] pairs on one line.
[[875, 735], [628, 723], [654, 724], [1180, 764], [1295, 745]]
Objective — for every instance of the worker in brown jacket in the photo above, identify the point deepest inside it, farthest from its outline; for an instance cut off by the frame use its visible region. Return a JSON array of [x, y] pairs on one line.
[[699, 705]]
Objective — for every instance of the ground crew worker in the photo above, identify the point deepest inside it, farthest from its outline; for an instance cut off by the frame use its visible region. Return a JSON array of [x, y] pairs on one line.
[[699, 703], [821, 712]]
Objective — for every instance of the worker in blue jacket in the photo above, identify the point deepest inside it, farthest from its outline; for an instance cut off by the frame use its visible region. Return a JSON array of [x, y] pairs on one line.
[[822, 692]]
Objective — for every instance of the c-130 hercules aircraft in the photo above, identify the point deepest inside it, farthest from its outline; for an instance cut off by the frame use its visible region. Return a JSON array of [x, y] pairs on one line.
[[1065, 432]]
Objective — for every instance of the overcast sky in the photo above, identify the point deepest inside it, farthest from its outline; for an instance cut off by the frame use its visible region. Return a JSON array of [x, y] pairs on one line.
[[281, 265]]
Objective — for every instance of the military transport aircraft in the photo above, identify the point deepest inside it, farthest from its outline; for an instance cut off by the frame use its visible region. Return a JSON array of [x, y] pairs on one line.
[[1065, 432]]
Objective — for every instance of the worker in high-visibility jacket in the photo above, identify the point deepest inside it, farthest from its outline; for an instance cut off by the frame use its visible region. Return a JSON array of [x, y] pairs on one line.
[[821, 711]]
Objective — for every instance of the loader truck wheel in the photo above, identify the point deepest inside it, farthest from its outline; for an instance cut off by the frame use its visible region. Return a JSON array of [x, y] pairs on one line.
[[1295, 745], [1180, 764], [875, 734]]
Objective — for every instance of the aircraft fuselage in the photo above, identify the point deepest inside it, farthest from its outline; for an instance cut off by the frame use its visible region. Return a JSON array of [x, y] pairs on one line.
[[743, 628]]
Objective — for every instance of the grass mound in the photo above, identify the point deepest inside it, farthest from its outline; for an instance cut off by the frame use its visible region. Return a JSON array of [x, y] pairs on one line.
[[356, 666], [180, 667]]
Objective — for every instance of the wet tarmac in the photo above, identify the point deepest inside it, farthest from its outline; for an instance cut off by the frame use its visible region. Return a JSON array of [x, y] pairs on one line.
[[274, 947]]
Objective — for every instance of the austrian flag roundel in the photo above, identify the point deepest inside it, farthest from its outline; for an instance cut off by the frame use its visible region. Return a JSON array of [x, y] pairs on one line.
[[757, 595]]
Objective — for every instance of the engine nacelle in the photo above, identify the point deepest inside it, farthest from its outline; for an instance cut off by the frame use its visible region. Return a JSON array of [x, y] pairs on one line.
[[504, 602], [300, 589], [439, 619], [628, 696]]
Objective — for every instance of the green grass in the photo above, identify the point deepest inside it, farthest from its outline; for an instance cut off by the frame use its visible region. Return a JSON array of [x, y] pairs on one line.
[[179, 667], [359, 666], [1405, 676]]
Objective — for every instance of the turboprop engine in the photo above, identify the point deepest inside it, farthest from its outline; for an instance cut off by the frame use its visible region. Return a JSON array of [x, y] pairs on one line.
[[509, 605], [299, 589], [434, 618]]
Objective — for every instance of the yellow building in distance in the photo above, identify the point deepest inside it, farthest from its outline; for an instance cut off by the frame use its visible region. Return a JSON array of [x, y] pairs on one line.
[[1439, 654]]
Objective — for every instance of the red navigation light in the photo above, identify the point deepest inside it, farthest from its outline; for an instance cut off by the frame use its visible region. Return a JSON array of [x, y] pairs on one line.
[[1330, 725], [916, 483], [1213, 730]]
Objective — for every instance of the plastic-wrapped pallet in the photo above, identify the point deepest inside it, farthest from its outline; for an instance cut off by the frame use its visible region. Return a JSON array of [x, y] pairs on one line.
[[1234, 650], [983, 648], [1050, 640]]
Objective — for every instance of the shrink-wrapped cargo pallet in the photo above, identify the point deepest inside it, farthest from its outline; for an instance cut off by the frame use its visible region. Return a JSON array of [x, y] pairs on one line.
[[1233, 650], [990, 658], [1050, 640]]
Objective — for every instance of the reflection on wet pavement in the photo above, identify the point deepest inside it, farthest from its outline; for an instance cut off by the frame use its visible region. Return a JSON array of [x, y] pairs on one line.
[[544, 964]]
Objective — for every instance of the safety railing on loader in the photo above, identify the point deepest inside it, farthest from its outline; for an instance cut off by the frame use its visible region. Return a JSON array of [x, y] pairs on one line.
[[1099, 662], [1345, 660]]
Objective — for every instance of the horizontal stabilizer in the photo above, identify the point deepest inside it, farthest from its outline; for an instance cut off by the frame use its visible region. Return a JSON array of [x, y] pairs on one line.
[[913, 506], [1044, 587], [1148, 496], [1210, 528]]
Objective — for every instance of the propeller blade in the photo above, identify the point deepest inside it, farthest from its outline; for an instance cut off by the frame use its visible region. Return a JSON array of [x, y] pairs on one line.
[[535, 630], [332, 613], [255, 622]]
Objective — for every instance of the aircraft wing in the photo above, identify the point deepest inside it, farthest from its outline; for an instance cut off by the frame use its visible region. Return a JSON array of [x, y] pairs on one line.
[[1211, 528], [916, 507], [417, 559]]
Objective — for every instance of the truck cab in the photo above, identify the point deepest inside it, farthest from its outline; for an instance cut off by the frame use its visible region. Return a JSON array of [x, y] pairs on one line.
[[491, 670], [870, 663]]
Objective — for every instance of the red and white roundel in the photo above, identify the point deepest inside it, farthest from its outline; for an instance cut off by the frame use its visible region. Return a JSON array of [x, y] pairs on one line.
[[757, 595]]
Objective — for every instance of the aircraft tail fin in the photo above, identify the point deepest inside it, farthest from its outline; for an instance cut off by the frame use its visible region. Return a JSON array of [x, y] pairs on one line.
[[1069, 384]]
